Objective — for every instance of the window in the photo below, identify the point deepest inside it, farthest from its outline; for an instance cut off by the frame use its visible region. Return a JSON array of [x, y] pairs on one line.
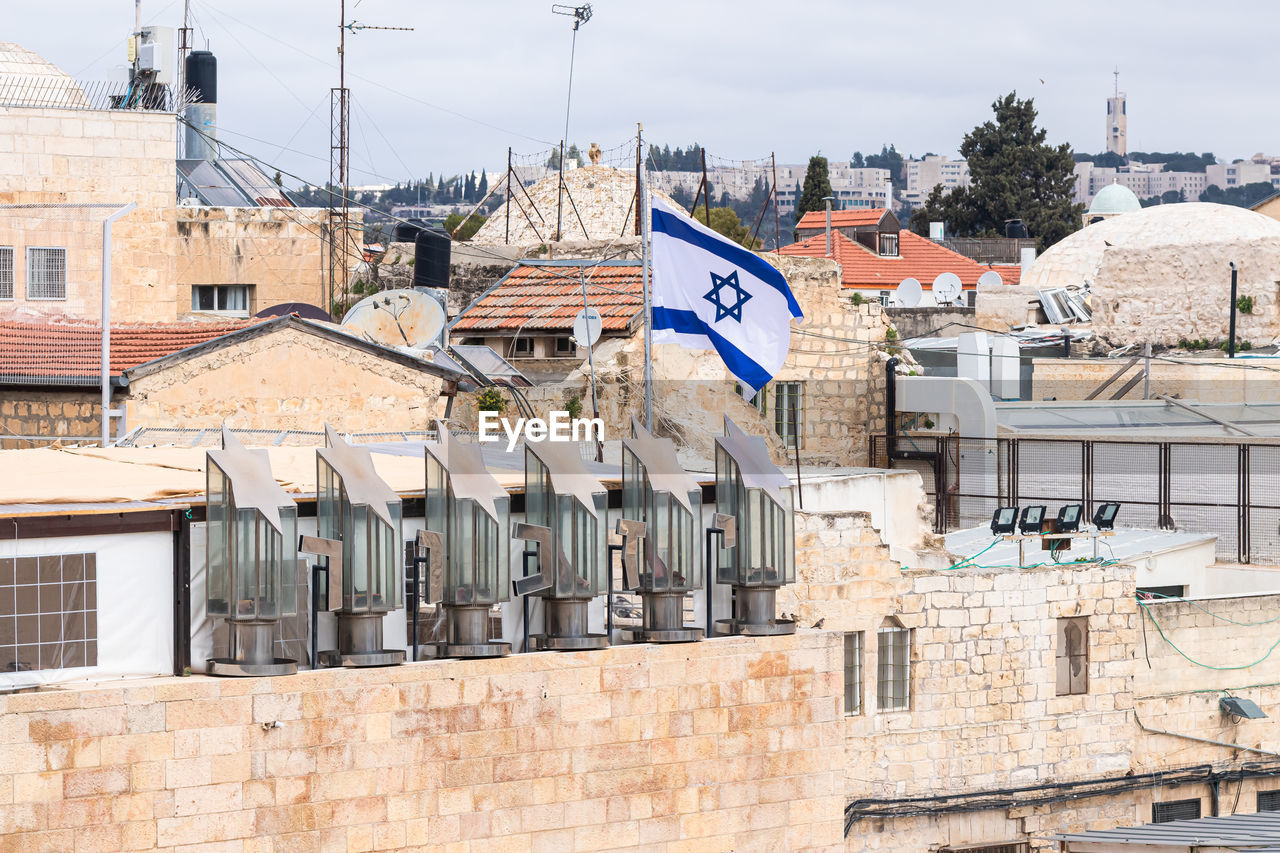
[[893, 666], [884, 298], [221, 298], [1175, 810], [6, 272], [564, 346], [522, 346], [1269, 801], [1071, 655], [853, 673], [787, 412], [48, 612], [889, 245], [46, 273]]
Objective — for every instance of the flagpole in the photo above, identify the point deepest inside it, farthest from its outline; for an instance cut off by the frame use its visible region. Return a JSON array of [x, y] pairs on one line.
[[643, 202]]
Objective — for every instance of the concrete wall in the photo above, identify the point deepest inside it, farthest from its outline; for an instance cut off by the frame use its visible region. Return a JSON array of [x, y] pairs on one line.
[[1209, 380], [287, 379], [1003, 306], [732, 744]]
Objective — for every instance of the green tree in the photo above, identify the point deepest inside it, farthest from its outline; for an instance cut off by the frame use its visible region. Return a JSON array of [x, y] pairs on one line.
[[1014, 174], [553, 162], [466, 232], [890, 159], [1245, 196], [726, 222], [491, 400], [817, 186]]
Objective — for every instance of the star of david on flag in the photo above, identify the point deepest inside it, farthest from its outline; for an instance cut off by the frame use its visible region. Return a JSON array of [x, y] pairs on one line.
[[746, 314]]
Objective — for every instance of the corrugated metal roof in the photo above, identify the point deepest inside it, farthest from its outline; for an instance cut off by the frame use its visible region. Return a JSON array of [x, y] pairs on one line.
[[1255, 832]]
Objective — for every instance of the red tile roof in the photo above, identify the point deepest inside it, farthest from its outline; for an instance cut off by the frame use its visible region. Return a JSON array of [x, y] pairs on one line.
[[71, 352], [546, 298], [1009, 273], [841, 218], [918, 257]]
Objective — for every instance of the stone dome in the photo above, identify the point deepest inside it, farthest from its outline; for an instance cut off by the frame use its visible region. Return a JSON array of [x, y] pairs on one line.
[[1114, 199], [1076, 259], [599, 205], [27, 76]]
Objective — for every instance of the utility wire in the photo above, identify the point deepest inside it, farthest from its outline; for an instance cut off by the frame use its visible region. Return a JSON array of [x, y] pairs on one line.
[[1192, 660]]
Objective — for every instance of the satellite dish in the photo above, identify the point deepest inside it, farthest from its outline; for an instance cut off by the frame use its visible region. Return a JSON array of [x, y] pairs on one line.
[[909, 293], [990, 278], [397, 318], [587, 327], [946, 288], [302, 309]]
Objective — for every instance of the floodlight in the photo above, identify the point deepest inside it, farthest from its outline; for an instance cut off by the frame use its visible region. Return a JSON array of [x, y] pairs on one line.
[[1105, 516], [1238, 706], [1004, 520], [1069, 518], [1032, 517]]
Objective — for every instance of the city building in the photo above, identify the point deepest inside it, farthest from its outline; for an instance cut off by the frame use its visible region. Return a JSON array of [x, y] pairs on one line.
[[932, 171], [1117, 121]]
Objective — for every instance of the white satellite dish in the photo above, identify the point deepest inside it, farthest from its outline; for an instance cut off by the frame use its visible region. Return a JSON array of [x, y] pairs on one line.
[[587, 327], [397, 318], [909, 293], [990, 278], [946, 288]]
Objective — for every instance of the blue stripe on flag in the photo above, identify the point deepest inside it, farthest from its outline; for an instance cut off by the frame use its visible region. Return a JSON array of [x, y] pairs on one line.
[[689, 323], [750, 262]]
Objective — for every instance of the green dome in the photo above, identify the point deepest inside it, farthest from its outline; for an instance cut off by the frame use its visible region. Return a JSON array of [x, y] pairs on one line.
[[1115, 199]]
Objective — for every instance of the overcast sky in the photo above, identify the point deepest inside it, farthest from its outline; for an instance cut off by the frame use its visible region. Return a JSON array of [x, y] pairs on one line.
[[743, 78]]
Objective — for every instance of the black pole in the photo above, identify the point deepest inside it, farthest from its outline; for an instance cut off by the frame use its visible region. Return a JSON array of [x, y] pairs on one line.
[[891, 405], [1066, 342], [316, 569], [1231, 335], [524, 599], [415, 599], [711, 567]]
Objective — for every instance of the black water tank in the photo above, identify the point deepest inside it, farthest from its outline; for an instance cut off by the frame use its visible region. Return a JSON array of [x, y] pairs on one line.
[[202, 75], [1015, 229], [407, 231], [431, 258]]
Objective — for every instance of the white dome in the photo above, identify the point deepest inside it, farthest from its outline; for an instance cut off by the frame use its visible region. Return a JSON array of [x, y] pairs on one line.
[[26, 76], [1115, 198], [1077, 258]]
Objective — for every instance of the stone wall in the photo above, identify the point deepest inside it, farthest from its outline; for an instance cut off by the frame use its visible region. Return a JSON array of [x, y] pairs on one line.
[[1002, 306], [281, 252], [932, 322], [732, 744], [1209, 380], [72, 414], [287, 379]]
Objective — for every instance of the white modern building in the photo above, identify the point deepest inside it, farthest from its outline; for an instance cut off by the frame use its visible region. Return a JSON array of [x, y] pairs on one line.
[[933, 170]]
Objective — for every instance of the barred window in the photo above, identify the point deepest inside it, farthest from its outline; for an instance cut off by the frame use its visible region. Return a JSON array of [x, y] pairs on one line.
[[1269, 801], [1172, 810], [46, 273], [893, 666], [788, 410], [48, 612], [6, 272], [853, 673]]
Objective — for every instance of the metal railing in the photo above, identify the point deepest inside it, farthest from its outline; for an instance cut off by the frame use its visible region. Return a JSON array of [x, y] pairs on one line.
[[1230, 490]]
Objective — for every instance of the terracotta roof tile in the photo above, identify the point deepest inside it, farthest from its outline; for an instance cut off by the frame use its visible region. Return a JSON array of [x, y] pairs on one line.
[[841, 218], [70, 352], [918, 257], [546, 298]]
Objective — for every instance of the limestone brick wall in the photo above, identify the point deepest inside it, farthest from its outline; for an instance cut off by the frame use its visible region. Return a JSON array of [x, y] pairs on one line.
[[1164, 293], [914, 322], [71, 414], [1207, 380], [1003, 306], [106, 157], [279, 251], [287, 379], [732, 744]]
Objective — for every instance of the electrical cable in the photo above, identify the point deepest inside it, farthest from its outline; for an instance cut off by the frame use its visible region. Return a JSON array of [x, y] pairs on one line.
[[1189, 659], [1210, 612]]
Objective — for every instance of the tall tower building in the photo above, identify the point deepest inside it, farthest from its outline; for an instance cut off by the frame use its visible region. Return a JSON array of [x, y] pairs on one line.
[[1116, 121]]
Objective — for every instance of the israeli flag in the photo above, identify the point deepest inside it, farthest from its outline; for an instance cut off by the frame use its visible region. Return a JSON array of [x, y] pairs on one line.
[[711, 293]]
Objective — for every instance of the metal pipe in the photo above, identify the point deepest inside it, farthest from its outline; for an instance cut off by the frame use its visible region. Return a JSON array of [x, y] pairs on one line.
[[1066, 342], [1146, 372], [891, 405], [1231, 334], [828, 200], [1209, 741], [106, 317]]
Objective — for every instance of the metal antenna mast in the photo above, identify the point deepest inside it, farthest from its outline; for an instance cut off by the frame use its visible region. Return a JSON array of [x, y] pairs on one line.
[[340, 159], [580, 14]]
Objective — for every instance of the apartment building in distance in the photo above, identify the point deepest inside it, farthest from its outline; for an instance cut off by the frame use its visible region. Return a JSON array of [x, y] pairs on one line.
[[934, 170]]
